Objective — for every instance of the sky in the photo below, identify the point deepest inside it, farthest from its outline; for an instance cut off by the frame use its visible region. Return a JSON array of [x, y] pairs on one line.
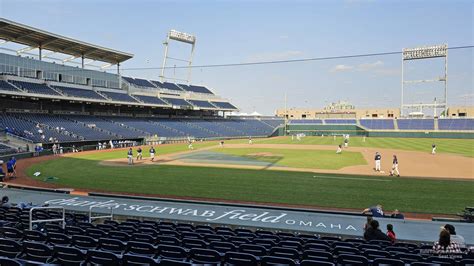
[[265, 30]]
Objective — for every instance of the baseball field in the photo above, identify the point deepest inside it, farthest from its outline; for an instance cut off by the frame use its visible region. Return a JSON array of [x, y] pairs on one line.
[[281, 171]]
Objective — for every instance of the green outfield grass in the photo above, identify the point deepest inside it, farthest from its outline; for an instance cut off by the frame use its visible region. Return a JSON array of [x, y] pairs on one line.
[[463, 147], [320, 159], [297, 188]]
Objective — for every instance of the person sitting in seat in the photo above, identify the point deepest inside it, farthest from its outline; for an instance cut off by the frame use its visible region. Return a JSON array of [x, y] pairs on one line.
[[444, 247], [374, 233]]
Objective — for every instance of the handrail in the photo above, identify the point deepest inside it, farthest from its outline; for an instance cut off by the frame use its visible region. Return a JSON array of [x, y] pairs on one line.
[[63, 219], [111, 215]]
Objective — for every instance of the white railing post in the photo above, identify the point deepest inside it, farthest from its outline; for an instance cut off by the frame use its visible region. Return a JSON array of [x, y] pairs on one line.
[[63, 219], [111, 215]]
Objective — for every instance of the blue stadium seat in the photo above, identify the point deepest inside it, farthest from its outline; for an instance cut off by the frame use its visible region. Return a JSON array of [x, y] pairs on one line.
[[141, 248], [272, 260], [58, 239], [204, 256], [132, 260], [111, 245], [69, 255], [9, 262], [172, 252], [10, 248], [36, 252], [96, 257], [240, 259], [315, 262], [350, 259], [256, 250], [387, 261]]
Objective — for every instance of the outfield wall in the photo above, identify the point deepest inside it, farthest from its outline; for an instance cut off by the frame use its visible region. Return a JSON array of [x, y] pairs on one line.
[[354, 130]]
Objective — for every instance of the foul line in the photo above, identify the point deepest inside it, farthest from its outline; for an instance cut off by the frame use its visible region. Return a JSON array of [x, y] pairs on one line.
[[354, 178]]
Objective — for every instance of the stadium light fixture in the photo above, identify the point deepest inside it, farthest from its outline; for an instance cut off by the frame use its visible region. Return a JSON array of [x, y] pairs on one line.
[[425, 52], [181, 37]]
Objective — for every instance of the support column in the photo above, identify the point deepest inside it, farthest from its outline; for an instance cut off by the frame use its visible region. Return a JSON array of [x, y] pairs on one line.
[[40, 53], [82, 61], [118, 68]]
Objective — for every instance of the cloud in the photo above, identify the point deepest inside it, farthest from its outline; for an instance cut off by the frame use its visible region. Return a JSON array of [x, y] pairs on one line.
[[341, 68], [369, 66], [283, 37], [376, 68], [275, 56]]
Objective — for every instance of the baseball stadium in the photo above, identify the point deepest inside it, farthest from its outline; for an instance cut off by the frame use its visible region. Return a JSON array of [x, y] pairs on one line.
[[104, 166]]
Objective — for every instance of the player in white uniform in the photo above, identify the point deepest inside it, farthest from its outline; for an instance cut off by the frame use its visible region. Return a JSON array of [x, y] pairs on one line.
[[433, 149], [394, 166], [250, 140], [190, 145], [339, 149]]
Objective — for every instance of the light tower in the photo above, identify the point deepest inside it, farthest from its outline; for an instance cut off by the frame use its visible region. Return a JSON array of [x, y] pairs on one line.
[[174, 35], [425, 52]]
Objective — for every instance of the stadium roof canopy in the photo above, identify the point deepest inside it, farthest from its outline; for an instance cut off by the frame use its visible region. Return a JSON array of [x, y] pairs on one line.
[[36, 38]]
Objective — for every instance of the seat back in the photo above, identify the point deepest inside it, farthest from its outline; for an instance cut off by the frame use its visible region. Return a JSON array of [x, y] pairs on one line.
[[141, 248], [69, 255], [97, 257], [204, 256], [272, 260], [387, 261], [237, 258]]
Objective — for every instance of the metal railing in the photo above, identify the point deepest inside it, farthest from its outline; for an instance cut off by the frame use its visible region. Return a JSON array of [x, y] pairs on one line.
[[111, 215], [63, 219]]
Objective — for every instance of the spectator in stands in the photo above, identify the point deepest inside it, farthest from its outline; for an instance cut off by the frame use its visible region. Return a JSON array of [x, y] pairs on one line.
[[444, 247], [2, 174], [367, 224], [397, 214], [390, 233], [375, 211], [5, 202], [454, 237], [374, 233]]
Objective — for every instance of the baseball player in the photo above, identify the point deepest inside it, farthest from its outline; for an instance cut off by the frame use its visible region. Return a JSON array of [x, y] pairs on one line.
[[433, 149], [394, 166], [378, 159], [139, 153], [339, 149], [152, 153], [250, 140], [190, 145], [346, 143], [363, 139], [130, 156]]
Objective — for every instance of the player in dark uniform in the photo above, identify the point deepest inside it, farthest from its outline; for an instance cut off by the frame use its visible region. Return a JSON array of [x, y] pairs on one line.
[[139, 153], [130, 156], [394, 166], [378, 158], [152, 153]]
